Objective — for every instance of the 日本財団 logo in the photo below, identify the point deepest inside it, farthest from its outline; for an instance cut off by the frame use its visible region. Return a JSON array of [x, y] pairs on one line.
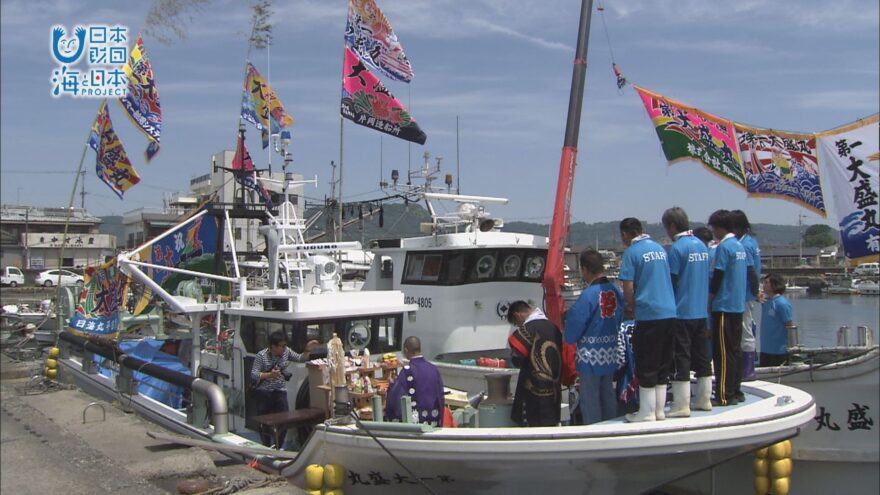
[[103, 47]]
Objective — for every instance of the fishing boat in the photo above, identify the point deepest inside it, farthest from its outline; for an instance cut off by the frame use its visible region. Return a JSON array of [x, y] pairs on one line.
[[867, 287], [224, 337]]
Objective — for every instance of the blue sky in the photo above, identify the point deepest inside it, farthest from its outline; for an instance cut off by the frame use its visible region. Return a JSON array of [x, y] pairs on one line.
[[502, 66]]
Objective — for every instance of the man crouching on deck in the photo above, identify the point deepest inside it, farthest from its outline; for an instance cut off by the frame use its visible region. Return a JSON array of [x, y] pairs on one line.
[[535, 346]]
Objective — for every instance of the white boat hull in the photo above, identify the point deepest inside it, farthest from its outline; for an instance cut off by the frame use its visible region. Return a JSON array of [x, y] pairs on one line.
[[838, 444], [612, 457]]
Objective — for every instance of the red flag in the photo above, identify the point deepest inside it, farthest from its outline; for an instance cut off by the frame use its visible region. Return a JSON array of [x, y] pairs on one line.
[[245, 173]]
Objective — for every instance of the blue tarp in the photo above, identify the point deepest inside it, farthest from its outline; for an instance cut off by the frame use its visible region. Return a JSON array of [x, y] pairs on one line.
[[148, 350]]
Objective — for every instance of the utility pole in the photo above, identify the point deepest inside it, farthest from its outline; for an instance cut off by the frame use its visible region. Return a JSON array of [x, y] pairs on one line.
[[82, 191], [801, 243]]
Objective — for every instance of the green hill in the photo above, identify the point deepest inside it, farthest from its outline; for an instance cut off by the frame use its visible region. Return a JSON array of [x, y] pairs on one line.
[[403, 221]]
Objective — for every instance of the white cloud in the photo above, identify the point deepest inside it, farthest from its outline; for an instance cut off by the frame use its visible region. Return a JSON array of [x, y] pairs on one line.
[[535, 40]]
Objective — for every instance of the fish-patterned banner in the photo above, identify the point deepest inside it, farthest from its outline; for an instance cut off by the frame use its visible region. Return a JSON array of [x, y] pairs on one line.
[[366, 101], [370, 35], [781, 165]]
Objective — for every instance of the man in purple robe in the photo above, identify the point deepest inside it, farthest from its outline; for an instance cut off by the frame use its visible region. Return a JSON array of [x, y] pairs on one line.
[[421, 381]]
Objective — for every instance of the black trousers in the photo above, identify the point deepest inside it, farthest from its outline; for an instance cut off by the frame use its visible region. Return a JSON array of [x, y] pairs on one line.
[[269, 402], [652, 342], [727, 354], [690, 351]]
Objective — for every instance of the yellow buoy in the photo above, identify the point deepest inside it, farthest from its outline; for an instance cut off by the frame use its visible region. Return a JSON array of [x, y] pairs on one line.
[[761, 453], [45, 370], [336, 491], [314, 477], [761, 467], [334, 476], [51, 364], [788, 448], [781, 486], [762, 485], [51, 374], [53, 352], [315, 492], [777, 451], [780, 469]]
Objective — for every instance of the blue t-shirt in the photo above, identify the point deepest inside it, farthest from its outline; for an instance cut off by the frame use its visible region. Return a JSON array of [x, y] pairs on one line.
[[689, 262], [750, 244], [776, 312], [644, 264], [593, 322], [731, 258]]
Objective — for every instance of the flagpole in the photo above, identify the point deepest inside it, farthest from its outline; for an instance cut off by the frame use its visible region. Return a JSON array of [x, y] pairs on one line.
[[339, 204], [79, 167]]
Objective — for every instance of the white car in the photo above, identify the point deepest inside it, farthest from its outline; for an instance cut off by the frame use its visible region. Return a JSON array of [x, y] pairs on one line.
[[11, 276], [49, 278]]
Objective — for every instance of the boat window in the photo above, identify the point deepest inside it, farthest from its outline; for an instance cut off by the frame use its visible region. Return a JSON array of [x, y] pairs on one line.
[[534, 268], [357, 334], [484, 266], [469, 266], [456, 268], [389, 330], [511, 265], [423, 267]]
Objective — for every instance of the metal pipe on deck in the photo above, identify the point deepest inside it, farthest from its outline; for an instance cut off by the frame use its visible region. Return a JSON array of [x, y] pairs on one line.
[[214, 393]]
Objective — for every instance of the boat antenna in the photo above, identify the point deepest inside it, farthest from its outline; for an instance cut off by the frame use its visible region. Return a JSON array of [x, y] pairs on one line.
[[457, 160]]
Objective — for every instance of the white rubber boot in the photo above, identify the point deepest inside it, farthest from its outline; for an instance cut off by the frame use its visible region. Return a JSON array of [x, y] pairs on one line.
[[681, 400], [660, 392], [703, 399], [647, 405]]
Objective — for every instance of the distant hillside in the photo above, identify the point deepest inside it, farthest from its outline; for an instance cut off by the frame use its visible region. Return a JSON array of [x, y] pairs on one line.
[[403, 221]]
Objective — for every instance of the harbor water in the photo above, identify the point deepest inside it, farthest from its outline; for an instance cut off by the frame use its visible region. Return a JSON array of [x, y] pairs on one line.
[[818, 317]]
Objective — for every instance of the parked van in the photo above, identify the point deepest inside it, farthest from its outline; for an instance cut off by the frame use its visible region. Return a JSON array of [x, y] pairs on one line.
[[867, 269], [13, 277]]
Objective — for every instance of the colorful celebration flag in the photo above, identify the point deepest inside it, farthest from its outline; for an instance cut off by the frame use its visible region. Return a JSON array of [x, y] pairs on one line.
[[851, 158], [141, 103], [191, 248], [688, 133], [781, 165], [97, 312], [245, 173], [370, 35], [112, 165], [367, 102], [262, 107]]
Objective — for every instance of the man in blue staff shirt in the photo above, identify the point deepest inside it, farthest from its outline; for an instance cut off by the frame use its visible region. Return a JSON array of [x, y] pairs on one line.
[[689, 266], [649, 300], [727, 297]]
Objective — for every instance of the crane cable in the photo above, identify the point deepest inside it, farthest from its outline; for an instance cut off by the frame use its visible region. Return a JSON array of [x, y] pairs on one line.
[[621, 81]]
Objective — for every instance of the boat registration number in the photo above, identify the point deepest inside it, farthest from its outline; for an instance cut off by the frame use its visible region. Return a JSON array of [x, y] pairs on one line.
[[422, 302]]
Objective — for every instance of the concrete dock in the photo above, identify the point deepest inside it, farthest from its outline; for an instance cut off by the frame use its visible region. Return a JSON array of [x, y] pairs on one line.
[[46, 448]]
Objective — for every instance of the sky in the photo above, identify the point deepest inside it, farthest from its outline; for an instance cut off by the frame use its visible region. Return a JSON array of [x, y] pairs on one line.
[[502, 67]]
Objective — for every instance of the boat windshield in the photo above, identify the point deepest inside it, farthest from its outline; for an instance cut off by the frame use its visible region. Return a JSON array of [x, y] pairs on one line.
[[469, 266], [379, 334]]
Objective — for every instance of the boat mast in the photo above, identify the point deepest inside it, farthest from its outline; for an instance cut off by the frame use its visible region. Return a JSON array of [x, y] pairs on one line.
[[553, 273]]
